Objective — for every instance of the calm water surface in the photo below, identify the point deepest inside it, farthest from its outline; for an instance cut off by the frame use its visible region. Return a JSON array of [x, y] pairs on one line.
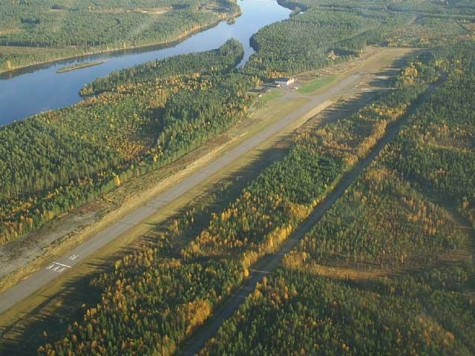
[[30, 92]]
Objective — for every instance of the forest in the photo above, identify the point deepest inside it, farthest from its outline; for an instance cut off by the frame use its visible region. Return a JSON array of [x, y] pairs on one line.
[[279, 46], [143, 118], [306, 313], [388, 270], [59, 160], [437, 153], [72, 28], [344, 29], [156, 297], [222, 60]]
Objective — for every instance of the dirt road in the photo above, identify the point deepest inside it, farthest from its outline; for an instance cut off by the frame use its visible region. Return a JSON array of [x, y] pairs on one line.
[[55, 268], [268, 264]]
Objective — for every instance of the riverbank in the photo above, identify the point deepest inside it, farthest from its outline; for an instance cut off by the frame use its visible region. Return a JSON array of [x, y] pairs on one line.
[[265, 117], [71, 53], [30, 84], [59, 235]]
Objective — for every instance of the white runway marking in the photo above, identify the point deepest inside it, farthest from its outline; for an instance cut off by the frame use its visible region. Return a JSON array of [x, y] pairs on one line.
[[60, 264], [73, 257], [58, 267]]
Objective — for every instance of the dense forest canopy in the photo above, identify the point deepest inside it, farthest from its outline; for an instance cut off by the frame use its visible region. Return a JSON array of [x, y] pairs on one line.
[[304, 313], [156, 297], [61, 159], [388, 269], [94, 23], [305, 41], [222, 60], [71, 28], [150, 114], [395, 220]]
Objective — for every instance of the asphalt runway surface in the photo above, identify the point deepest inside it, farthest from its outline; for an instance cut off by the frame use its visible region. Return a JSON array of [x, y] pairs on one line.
[[269, 263], [54, 269]]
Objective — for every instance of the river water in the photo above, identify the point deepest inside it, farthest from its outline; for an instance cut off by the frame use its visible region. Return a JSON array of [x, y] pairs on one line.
[[29, 92]]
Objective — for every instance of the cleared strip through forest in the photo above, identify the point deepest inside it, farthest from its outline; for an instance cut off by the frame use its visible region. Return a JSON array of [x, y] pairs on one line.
[[41, 278], [268, 264]]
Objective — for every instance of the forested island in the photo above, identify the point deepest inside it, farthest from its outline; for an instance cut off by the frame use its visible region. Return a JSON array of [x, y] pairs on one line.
[[388, 269], [78, 66]]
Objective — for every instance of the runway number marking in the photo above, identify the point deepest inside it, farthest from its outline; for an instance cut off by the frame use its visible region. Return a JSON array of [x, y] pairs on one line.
[[57, 267], [73, 257]]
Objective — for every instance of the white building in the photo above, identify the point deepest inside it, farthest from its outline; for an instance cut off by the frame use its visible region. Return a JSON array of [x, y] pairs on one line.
[[284, 81]]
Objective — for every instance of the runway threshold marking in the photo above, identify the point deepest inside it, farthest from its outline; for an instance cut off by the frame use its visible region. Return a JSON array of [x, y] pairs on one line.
[[57, 267]]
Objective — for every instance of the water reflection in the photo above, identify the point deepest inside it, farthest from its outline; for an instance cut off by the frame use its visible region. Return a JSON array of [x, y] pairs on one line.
[[38, 89]]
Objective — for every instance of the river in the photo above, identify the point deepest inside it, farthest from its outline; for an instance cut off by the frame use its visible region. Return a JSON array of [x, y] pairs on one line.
[[30, 91]]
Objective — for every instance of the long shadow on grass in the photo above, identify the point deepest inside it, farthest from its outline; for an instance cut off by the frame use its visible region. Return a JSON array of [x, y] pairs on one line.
[[49, 321], [269, 263]]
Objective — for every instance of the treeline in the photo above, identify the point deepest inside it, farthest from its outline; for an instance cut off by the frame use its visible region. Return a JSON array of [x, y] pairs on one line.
[[145, 121], [386, 271], [221, 60], [95, 26], [61, 159], [12, 58], [450, 8], [156, 297], [444, 8], [304, 313], [304, 41], [429, 31], [41, 24], [382, 221], [438, 151], [310, 40]]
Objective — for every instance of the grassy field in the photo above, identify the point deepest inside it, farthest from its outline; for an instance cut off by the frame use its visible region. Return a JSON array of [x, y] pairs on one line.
[[55, 296], [273, 94], [258, 120], [314, 85], [388, 269]]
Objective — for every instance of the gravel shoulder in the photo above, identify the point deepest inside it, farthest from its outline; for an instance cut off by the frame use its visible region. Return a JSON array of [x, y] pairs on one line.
[[88, 229], [268, 264]]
